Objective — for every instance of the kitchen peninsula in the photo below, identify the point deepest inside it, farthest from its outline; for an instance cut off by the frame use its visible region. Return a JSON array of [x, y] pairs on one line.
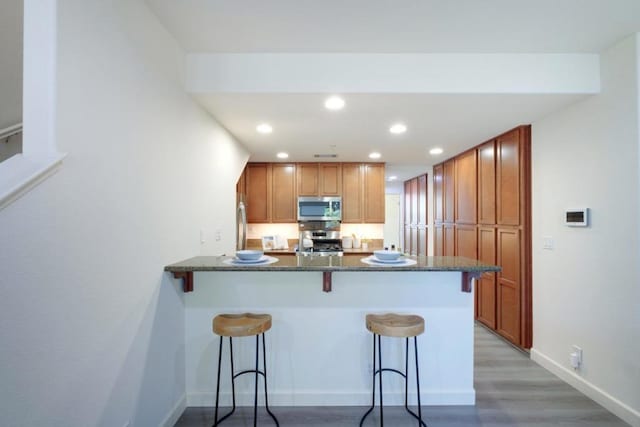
[[319, 349]]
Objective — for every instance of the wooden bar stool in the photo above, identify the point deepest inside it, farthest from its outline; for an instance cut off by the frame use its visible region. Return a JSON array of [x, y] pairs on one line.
[[243, 325], [395, 325]]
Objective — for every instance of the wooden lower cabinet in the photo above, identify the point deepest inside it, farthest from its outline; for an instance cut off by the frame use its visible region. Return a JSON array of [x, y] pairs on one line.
[[449, 240], [486, 285], [466, 241], [438, 240], [423, 239], [508, 284]]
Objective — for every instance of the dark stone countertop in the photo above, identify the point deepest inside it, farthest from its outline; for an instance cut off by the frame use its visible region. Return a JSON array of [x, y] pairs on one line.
[[291, 262]]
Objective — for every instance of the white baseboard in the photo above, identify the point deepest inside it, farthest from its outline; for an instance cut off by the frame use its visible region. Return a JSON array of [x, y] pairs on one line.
[[337, 398], [612, 404], [174, 414]]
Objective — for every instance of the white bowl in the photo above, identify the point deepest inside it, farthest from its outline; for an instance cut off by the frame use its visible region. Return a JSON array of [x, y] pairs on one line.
[[249, 255], [386, 255]]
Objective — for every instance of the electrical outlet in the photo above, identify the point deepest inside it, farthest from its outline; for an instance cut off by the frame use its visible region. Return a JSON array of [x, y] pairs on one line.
[[547, 242], [218, 235]]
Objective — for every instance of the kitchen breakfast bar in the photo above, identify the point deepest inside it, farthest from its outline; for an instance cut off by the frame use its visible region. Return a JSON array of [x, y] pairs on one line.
[[318, 349]]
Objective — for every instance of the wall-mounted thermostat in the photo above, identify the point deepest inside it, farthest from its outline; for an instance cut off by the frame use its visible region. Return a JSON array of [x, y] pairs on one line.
[[577, 217]]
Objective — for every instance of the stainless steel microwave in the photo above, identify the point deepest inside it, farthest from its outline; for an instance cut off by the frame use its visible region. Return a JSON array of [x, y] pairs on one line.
[[319, 208]]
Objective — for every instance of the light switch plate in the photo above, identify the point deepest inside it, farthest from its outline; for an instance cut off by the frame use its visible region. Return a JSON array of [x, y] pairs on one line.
[[547, 242]]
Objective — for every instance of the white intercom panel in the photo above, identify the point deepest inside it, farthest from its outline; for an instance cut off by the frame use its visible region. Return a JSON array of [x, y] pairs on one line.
[[577, 217]]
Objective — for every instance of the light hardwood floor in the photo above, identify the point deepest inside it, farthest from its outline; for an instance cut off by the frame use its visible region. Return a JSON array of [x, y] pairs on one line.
[[511, 390]]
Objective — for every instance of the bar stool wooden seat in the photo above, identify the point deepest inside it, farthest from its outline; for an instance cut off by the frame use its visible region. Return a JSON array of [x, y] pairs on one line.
[[400, 326], [243, 325]]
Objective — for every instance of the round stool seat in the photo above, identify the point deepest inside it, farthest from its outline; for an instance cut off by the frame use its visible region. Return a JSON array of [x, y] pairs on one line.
[[395, 325], [241, 325]]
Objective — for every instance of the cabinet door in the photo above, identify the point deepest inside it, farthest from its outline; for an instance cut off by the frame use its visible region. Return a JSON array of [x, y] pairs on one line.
[[283, 200], [414, 240], [448, 190], [330, 179], [449, 240], [438, 193], [466, 244], [407, 202], [508, 183], [241, 186], [352, 209], [258, 183], [413, 188], [307, 179], [423, 236], [509, 280], [487, 184], [486, 285], [407, 239], [465, 188], [374, 193], [438, 240], [422, 200]]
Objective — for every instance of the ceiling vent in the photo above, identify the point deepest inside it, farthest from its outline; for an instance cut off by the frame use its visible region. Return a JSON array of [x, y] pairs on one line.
[[325, 156]]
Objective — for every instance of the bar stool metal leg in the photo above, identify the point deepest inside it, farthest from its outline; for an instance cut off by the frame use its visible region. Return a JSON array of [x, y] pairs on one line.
[[379, 370], [233, 389], [266, 394]]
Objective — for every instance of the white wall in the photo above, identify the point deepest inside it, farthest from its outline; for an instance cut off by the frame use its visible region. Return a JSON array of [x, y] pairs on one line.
[[92, 328], [586, 291]]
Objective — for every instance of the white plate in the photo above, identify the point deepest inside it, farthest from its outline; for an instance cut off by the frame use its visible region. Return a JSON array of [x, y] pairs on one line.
[[250, 261], [387, 261]]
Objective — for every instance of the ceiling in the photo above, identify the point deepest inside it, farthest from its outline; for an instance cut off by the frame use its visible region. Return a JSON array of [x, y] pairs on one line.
[[302, 127]]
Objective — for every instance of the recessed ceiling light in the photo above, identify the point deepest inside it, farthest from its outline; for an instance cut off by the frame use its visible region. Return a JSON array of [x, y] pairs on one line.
[[282, 155], [398, 128], [334, 103], [392, 178], [375, 155], [264, 128], [435, 151]]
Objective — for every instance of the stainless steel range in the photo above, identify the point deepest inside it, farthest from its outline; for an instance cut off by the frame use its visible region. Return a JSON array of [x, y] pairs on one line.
[[319, 238]]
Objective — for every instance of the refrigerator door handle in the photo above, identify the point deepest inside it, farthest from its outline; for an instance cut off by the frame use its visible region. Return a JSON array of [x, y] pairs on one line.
[[241, 241]]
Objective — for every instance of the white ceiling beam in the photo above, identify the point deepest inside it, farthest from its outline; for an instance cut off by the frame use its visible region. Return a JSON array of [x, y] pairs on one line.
[[394, 73]]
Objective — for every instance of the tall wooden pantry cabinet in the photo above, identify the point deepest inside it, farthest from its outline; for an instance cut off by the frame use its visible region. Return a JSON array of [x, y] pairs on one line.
[[482, 210]]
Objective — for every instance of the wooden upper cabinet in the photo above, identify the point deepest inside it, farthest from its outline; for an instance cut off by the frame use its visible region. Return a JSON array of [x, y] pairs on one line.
[[329, 179], [413, 189], [374, 193], [283, 193], [465, 188], [487, 183], [258, 187], [319, 179], [407, 203], [438, 193], [352, 192], [241, 185], [448, 190], [307, 179], [508, 182], [422, 200]]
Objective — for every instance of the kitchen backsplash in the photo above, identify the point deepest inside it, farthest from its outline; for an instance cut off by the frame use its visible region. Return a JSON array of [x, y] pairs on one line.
[[290, 230]]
